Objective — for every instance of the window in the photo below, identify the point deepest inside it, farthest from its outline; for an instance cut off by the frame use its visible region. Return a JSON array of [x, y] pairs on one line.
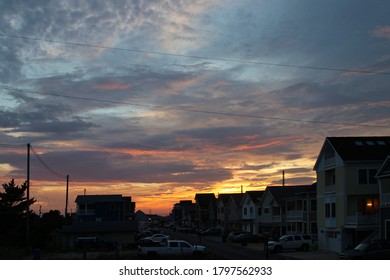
[[330, 177], [251, 210], [330, 210], [313, 205], [367, 176], [184, 245], [259, 211], [266, 210], [245, 211], [297, 237], [368, 206]]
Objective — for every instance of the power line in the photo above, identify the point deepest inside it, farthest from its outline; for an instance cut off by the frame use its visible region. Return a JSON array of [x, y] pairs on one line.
[[46, 165], [196, 56], [193, 110]]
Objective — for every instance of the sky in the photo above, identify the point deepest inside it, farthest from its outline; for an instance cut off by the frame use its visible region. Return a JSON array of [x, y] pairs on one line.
[[160, 100]]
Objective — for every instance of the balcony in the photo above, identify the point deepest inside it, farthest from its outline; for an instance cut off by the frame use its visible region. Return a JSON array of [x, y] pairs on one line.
[[362, 221], [86, 212], [295, 215], [385, 199]]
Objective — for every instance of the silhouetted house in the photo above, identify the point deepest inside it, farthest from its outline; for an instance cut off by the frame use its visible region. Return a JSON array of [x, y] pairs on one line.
[[184, 213], [273, 209], [348, 190], [301, 212], [222, 212], [110, 217], [101, 208], [203, 201], [250, 206], [234, 218], [384, 199]]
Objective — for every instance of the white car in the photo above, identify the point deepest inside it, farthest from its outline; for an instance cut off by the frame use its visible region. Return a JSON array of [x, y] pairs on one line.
[[158, 237], [291, 241]]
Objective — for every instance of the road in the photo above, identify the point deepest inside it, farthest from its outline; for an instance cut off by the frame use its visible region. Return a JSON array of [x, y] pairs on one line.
[[222, 250]]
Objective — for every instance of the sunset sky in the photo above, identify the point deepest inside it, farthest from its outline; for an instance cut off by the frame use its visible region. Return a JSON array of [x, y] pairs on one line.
[[160, 100]]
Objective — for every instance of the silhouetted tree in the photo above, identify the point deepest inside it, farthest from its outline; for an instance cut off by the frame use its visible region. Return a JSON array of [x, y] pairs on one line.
[[13, 209]]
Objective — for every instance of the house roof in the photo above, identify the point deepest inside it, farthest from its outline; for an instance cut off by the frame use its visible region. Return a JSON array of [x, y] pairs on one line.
[[100, 198], [204, 199], [236, 197], [224, 197], [255, 195], [384, 170], [279, 193]]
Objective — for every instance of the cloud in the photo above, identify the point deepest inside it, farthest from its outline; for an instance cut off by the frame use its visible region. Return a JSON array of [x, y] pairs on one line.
[[382, 32]]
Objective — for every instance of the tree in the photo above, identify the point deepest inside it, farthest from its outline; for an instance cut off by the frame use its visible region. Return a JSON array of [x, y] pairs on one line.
[[13, 200], [13, 209]]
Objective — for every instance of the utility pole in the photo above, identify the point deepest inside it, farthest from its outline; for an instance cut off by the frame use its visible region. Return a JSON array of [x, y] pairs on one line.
[[28, 195], [66, 200], [283, 179]]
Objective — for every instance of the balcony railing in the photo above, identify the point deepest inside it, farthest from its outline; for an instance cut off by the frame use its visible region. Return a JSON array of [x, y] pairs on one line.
[[385, 199], [295, 215], [86, 212], [361, 220]]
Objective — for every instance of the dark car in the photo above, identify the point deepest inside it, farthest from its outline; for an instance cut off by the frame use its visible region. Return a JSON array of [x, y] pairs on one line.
[[246, 238], [234, 234], [212, 231], [371, 250]]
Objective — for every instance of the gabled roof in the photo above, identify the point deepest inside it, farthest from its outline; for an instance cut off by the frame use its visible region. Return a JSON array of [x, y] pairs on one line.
[[204, 199], [363, 148], [236, 198], [255, 196], [100, 198], [384, 170], [279, 193], [224, 197]]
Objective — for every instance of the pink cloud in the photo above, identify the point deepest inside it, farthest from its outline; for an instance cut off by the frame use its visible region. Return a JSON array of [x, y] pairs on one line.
[[382, 32], [112, 86]]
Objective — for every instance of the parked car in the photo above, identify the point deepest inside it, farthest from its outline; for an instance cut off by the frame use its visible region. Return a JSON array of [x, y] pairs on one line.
[[172, 248], [234, 234], [246, 237], [371, 250], [158, 237], [212, 231], [291, 242]]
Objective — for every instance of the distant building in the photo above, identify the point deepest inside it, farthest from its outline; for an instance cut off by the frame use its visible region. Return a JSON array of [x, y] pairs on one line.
[[184, 213], [99, 208], [110, 217], [203, 201]]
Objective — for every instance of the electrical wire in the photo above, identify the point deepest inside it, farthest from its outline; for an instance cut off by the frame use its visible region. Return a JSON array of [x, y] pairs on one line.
[[195, 56], [52, 171], [192, 110]]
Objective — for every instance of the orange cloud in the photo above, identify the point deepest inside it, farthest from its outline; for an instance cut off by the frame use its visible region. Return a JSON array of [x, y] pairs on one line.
[[382, 32], [111, 86]]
